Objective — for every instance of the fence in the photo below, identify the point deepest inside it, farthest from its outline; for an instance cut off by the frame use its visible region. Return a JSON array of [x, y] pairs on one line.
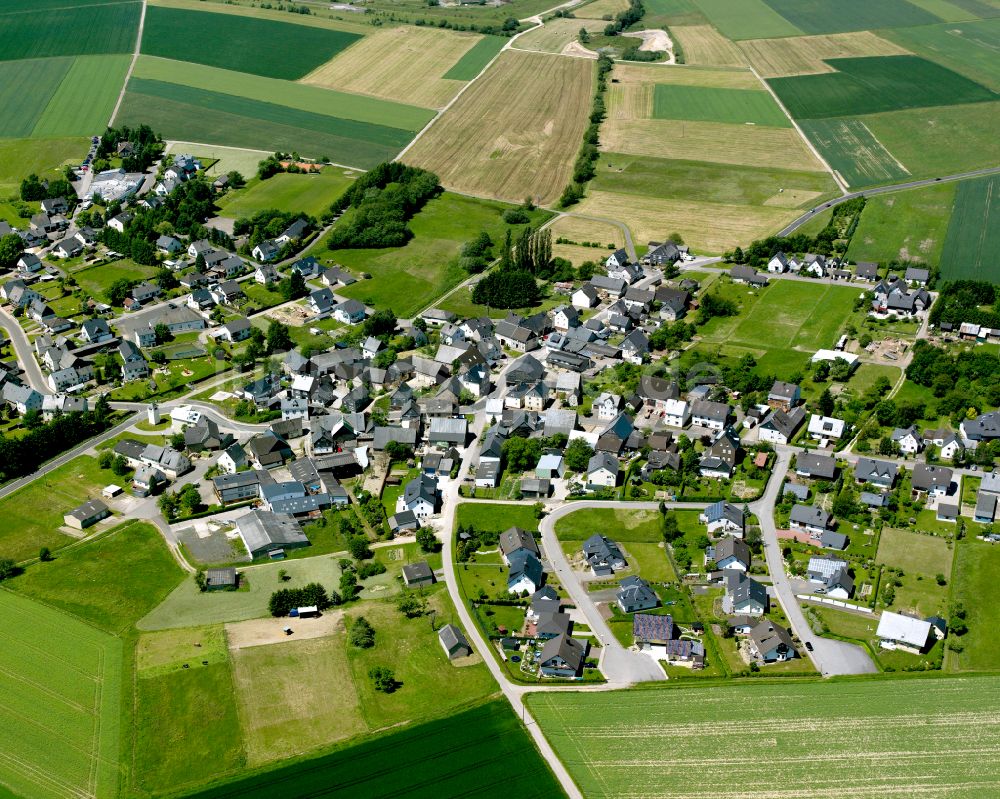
[[825, 600]]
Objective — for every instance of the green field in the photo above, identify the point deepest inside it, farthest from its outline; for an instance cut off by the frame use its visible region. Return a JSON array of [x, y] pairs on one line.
[[476, 58], [849, 147], [30, 518], [310, 193], [661, 13], [976, 584], [77, 29], [874, 85], [974, 232], [61, 687], [904, 225], [970, 48], [110, 582], [468, 754], [868, 729], [708, 104], [746, 19], [921, 557], [271, 91], [86, 97], [496, 517], [25, 89], [95, 280], [626, 525], [43, 157], [838, 16], [235, 42], [698, 180], [410, 278]]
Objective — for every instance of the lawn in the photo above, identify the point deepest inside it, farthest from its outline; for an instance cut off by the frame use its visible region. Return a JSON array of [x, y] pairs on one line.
[[977, 587], [705, 104], [650, 562], [110, 582], [625, 525], [310, 193], [476, 58], [850, 147], [30, 518], [95, 280], [836, 16], [969, 48], [61, 684], [227, 40], [408, 279], [922, 558], [37, 33], [904, 225], [974, 232], [876, 84], [496, 517], [869, 727], [468, 753]]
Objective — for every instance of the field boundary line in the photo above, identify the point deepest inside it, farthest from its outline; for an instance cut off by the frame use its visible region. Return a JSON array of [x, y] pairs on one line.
[[131, 66], [875, 139]]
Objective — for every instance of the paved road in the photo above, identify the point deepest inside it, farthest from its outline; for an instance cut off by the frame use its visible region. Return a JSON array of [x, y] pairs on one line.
[[830, 657], [24, 352], [913, 184], [211, 411]]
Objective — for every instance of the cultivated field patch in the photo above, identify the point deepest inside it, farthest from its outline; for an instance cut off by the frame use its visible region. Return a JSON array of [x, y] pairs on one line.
[[77, 29], [599, 8], [25, 90], [43, 157], [973, 240], [584, 230], [701, 104], [706, 227], [806, 55], [851, 148], [874, 85], [868, 730], [476, 59], [86, 97], [234, 42], [746, 19], [904, 225], [838, 16], [406, 64], [515, 132], [971, 48], [688, 76], [61, 682], [704, 45]]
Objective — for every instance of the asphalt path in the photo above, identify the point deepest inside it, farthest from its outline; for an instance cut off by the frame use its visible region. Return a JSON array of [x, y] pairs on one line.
[[24, 352]]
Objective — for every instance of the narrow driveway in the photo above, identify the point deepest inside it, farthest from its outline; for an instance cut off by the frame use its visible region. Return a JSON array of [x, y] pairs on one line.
[[830, 657]]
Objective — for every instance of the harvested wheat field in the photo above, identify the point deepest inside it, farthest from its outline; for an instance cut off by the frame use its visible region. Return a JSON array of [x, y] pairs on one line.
[[556, 34], [703, 45], [516, 131], [805, 55], [584, 231], [600, 9], [404, 64], [682, 75], [715, 142], [706, 227]]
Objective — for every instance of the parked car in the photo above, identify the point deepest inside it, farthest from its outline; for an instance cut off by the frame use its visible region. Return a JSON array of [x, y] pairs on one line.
[[809, 645]]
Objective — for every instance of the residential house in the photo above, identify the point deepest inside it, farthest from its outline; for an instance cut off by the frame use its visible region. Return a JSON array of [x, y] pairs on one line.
[[349, 312], [602, 471], [233, 459], [731, 553], [603, 555], [134, 366], [266, 534], [525, 573], [896, 631], [878, 473], [784, 396], [744, 595], [712, 415], [657, 636], [934, 481], [420, 496], [86, 515], [513, 540], [810, 519], [635, 347], [267, 450], [584, 297], [635, 594], [562, 656], [267, 250], [780, 426], [724, 517], [908, 439], [815, 466], [771, 643], [824, 428], [720, 459], [748, 275], [454, 642]]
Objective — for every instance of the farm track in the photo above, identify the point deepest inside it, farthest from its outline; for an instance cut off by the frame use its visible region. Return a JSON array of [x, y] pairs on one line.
[[131, 66]]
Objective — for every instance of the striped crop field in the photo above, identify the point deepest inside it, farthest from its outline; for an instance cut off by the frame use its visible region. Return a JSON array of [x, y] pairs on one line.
[[974, 232], [886, 739]]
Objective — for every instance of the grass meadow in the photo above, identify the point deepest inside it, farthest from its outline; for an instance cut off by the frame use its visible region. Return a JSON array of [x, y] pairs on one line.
[[749, 19], [868, 729], [904, 225], [922, 558], [850, 148], [969, 48], [973, 236], [61, 683], [43, 157], [976, 584], [230, 41], [30, 31], [495, 517], [625, 525], [311, 193]]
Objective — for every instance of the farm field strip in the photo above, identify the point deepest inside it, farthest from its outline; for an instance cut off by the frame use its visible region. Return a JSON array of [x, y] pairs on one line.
[[705, 77], [78, 29], [701, 104], [904, 225], [599, 8], [556, 34], [476, 58], [405, 64], [973, 237], [310, 99], [865, 739], [823, 16], [703, 45], [26, 87], [267, 14], [515, 132], [804, 55], [850, 147], [288, 192], [749, 19], [971, 48], [85, 99]]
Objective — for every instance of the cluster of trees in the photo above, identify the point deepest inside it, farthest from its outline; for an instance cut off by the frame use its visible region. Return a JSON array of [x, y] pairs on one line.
[[625, 19], [972, 301], [670, 336], [476, 254], [268, 224], [713, 305], [513, 284], [11, 247], [285, 599], [274, 164], [361, 634], [23, 455], [583, 169], [116, 463], [186, 501], [33, 189], [470, 539], [383, 201], [146, 143], [508, 27]]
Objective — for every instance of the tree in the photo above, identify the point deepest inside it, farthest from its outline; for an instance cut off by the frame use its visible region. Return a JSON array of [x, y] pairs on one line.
[[349, 586], [427, 540], [825, 403], [359, 547], [398, 451], [361, 634], [521, 454], [410, 604], [279, 338], [119, 466], [162, 333], [8, 569], [293, 287], [45, 554], [578, 455], [380, 323], [383, 678], [105, 459], [11, 247], [201, 580], [671, 528], [119, 290]]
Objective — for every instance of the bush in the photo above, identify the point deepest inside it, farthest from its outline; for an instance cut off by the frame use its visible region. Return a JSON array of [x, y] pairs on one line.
[[361, 634], [383, 678], [370, 568]]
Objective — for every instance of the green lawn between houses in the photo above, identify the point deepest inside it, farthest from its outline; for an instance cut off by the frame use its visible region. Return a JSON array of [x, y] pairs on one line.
[[618, 524], [313, 193]]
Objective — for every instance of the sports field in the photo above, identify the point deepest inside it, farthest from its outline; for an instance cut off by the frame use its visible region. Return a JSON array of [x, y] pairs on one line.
[[516, 132], [405, 64], [746, 19], [850, 147], [815, 739], [469, 753], [703, 45], [977, 587], [76, 29], [971, 246], [837, 16], [874, 85], [805, 55], [287, 192], [907, 225], [703, 104], [922, 558], [61, 683], [232, 42], [969, 48]]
